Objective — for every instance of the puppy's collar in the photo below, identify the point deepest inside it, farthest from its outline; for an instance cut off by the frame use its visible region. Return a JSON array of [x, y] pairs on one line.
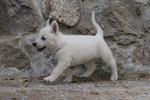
[[53, 54]]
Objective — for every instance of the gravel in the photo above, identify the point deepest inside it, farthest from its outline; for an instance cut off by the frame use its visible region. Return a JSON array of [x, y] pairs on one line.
[[101, 90]]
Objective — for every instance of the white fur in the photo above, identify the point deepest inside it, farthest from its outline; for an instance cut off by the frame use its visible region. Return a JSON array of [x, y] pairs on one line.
[[72, 50]]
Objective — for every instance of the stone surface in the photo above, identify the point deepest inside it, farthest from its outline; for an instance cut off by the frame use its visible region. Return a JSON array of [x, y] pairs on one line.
[[11, 55], [35, 90], [64, 11]]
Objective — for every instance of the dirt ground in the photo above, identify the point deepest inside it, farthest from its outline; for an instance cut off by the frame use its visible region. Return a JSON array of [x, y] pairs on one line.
[[33, 89]]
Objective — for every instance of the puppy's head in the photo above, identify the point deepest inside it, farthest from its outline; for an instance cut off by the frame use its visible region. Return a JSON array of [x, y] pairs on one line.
[[47, 38]]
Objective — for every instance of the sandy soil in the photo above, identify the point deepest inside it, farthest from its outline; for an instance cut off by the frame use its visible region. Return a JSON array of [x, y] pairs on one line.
[[14, 89]]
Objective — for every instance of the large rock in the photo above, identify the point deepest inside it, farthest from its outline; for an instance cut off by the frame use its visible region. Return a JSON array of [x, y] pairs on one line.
[[64, 11], [11, 54], [18, 17]]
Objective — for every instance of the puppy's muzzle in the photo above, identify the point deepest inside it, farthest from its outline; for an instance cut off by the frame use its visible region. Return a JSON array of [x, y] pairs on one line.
[[34, 44]]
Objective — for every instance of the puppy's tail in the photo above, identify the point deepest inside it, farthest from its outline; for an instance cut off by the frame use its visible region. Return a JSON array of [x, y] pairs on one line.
[[98, 28]]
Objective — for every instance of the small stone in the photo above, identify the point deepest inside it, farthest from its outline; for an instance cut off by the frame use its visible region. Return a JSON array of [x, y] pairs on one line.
[[126, 40], [138, 10]]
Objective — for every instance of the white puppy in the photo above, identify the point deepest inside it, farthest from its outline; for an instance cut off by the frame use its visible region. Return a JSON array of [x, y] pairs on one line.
[[72, 50]]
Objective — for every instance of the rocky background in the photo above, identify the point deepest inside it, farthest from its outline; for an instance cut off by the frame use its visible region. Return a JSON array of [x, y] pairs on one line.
[[126, 25]]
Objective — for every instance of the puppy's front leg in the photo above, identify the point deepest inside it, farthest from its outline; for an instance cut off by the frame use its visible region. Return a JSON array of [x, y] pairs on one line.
[[68, 73], [61, 66]]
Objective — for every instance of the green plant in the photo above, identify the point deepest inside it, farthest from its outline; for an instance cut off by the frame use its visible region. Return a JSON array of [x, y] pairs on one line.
[[102, 71]]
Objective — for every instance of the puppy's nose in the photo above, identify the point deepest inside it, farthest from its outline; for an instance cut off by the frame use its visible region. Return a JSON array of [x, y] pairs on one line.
[[34, 44]]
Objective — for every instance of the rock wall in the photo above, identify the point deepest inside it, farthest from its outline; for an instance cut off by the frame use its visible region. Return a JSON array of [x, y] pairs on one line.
[[126, 25]]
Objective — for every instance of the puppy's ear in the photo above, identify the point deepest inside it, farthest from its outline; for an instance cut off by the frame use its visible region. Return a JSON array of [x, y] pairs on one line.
[[54, 27], [47, 22]]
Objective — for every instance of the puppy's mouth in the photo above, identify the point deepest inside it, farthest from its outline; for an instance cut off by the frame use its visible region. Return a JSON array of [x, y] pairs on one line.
[[41, 49]]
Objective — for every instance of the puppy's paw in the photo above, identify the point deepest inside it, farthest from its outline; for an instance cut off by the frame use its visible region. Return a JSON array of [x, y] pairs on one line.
[[84, 76], [49, 79], [114, 77], [67, 80]]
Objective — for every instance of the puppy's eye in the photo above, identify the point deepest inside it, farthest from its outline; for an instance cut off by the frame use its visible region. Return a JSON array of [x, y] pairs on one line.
[[43, 38]]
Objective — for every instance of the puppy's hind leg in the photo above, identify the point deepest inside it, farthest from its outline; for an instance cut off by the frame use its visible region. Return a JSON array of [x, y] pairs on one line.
[[112, 63], [68, 73], [114, 74], [90, 66]]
